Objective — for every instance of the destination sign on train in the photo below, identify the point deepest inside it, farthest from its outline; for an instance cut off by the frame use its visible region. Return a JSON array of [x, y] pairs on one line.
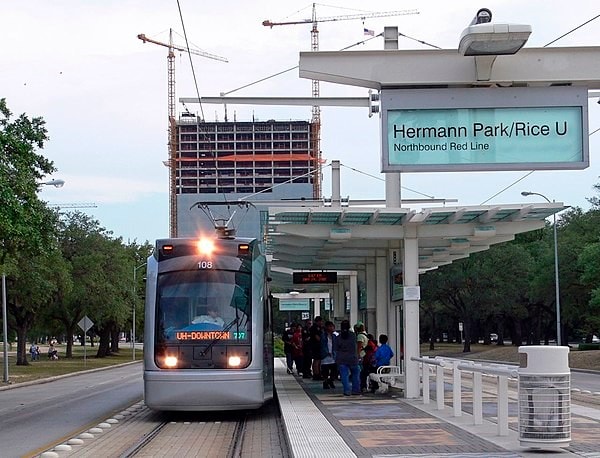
[[314, 277], [203, 335]]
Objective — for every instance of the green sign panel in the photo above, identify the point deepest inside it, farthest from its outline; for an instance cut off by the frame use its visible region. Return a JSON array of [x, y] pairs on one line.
[[290, 305], [484, 132]]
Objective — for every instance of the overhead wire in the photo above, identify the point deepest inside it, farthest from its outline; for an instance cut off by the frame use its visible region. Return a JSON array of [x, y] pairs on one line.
[[400, 34], [572, 30], [383, 179], [187, 45]]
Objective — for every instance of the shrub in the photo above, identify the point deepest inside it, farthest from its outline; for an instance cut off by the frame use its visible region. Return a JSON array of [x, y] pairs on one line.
[[278, 347], [589, 346]]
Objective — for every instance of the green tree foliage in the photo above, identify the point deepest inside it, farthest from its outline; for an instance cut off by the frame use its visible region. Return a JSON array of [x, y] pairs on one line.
[[480, 291], [590, 277], [100, 270], [510, 288], [26, 223], [35, 281], [577, 231]]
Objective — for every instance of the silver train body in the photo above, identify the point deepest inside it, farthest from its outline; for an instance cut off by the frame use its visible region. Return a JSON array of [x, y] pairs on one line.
[[208, 342]]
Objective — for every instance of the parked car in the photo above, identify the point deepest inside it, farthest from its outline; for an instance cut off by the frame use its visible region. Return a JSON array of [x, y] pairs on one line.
[[494, 337]]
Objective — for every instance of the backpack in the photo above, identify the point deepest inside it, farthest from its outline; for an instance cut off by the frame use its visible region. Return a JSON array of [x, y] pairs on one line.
[[369, 358]]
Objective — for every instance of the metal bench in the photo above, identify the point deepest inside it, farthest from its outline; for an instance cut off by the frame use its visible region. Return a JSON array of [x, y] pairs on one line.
[[386, 377]]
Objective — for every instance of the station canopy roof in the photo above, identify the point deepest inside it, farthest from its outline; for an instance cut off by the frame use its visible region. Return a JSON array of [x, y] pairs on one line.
[[349, 238]]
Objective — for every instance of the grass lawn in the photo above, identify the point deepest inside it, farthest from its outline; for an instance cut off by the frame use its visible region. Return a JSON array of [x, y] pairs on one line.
[[45, 368], [589, 359]]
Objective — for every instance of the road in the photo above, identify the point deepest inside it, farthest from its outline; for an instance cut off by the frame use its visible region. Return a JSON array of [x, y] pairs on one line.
[[585, 380], [34, 416]]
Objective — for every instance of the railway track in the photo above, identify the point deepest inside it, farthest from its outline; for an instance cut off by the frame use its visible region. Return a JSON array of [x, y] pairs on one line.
[[144, 433], [180, 437]]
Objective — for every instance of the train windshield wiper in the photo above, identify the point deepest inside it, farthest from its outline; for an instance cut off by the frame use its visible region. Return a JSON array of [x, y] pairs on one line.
[[225, 329]]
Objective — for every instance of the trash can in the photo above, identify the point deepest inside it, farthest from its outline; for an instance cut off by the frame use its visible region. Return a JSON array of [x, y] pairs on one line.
[[544, 396]]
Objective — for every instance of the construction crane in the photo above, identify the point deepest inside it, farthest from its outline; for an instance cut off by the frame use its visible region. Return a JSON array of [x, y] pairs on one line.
[[172, 162], [74, 205], [316, 111]]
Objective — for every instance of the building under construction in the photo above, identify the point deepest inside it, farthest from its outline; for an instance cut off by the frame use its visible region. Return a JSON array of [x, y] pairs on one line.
[[227, 161]]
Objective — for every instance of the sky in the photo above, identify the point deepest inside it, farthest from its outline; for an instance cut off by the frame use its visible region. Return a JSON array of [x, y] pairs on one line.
[[103, 92]]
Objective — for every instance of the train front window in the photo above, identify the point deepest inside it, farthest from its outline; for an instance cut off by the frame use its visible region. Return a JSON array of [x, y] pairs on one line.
[[203, 306]]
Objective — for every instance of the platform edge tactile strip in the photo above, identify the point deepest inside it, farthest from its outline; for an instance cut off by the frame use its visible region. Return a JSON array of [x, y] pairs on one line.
[[309, 433]]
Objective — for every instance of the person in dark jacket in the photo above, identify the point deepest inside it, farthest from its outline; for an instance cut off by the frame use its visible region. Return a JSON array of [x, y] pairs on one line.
[[328, 367], [315, 332], [346, 358], [306, 350], [286, 336]]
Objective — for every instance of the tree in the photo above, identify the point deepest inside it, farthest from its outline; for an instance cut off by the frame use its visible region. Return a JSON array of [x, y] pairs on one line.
[[34, 282], [81, 239], [101, 270], [591, 278], [483, 291], [27, 225], [577, 231]]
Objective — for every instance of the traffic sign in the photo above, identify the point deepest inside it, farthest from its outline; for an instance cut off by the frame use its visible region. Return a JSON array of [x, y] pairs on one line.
[[85, 323]]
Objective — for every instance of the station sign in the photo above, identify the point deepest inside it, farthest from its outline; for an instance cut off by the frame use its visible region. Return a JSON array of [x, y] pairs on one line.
[[484, 129], [287, 305], [304, 278]]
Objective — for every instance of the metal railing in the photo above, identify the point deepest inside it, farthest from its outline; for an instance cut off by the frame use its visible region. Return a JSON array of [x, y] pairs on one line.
[[501, 372]]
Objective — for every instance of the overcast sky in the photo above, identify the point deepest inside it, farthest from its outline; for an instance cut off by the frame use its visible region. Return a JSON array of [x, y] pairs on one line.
[[103, 93]]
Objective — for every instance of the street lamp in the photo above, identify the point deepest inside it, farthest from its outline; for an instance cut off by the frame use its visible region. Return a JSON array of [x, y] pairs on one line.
[[58, 183], [135, 269], [556, 281], [485, 40]]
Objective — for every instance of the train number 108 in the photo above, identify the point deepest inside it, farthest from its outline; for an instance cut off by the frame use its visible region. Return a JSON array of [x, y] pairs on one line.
[[205, 265]]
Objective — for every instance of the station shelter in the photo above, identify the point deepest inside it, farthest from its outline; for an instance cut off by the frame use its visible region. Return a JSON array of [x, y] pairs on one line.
[[371, 246]]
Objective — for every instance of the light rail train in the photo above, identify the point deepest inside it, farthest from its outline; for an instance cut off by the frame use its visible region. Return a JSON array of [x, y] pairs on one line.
[[208, 341]]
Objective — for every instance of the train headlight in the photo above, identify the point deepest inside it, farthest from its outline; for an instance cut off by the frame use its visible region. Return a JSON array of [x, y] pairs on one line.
[[234, 361], [171, 361], [206, 246]]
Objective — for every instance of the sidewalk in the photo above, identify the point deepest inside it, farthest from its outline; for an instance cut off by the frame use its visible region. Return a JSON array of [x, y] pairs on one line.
[[388, 425]]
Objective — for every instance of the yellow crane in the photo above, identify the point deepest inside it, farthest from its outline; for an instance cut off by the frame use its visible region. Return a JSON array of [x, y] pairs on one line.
[[172, 162], [316, 110]]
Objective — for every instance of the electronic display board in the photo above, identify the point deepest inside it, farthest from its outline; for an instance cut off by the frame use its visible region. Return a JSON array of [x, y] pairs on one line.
[[304, 278]]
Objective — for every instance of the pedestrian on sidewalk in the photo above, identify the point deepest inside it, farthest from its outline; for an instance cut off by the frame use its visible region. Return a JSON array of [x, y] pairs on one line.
[[346, 358]]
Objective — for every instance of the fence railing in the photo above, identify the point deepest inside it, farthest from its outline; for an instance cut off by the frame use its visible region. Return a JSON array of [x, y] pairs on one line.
[[501, 372]]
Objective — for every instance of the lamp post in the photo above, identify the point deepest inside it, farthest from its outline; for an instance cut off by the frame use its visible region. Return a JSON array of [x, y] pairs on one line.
[[4, 328], [556, 280], [135, 269]]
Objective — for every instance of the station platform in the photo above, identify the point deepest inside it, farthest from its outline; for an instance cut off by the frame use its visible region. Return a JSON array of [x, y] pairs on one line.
[[325, 423]]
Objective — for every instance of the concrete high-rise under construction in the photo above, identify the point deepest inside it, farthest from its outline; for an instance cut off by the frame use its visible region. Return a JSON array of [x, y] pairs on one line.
[[228, 161]]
